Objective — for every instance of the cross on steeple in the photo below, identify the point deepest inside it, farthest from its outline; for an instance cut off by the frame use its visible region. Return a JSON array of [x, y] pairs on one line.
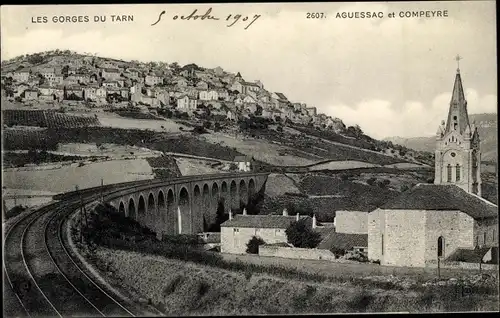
[[458, 58]]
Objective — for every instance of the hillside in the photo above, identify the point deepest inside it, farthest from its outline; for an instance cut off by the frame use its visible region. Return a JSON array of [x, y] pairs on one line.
[[223, 101], [487, 126]]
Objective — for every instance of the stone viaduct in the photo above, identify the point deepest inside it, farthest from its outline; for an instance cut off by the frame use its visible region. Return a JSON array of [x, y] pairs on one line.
[[186, 205]]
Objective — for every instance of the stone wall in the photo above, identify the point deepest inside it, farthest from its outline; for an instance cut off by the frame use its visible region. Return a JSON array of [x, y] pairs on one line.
[[376, 225], [296, 253], [455, 227], [486, 232], [353, 222], [234, 240]]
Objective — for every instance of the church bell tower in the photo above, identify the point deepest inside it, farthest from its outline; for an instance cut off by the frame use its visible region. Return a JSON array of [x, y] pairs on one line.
[[458, 155]]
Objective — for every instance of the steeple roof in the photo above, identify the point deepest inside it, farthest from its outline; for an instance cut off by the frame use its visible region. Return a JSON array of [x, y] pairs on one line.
[[458, 118]]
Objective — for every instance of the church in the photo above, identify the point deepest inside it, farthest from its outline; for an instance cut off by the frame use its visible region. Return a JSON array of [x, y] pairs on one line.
[[439, 221]]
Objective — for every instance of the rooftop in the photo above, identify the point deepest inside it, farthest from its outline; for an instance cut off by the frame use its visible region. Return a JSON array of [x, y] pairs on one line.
[[261, 221], [345, 241], [442, 198]]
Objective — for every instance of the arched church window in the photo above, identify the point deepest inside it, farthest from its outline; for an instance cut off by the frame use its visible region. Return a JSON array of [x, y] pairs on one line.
[[449, 173], [458, 173], [440, 247], [484, 238], [477, 241]]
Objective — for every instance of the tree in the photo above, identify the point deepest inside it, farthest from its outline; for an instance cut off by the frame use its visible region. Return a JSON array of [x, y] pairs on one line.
[[253, 245], [301, 234]]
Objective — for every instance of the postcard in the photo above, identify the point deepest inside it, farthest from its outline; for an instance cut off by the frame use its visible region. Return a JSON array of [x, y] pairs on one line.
[[249, 158]]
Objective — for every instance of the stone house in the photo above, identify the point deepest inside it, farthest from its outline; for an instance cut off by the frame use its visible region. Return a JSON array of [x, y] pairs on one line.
[[350, 232], [133, 72], [430, 222], [244, 163], [209, 95], [248, 99], [89, 92], [239, 230], [181, 82], [153, 79], [223, 94], [73, 90], [22, 75], [311, 111], [31, 94], [110, 84], [202, 85], [110, 73], [186, 104]]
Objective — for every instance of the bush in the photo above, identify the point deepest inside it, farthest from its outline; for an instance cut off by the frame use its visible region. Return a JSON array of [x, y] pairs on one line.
[[253, 245], [371, 181], [301, 234]]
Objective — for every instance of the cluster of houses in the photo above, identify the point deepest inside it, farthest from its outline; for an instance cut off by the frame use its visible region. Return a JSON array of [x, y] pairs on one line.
[[187, 89]]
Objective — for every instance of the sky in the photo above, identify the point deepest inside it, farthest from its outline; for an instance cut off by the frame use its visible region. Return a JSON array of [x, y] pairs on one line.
[[391, 76]]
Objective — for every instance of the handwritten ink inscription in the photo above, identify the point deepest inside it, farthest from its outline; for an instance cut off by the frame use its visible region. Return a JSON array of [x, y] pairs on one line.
[[230, 19]]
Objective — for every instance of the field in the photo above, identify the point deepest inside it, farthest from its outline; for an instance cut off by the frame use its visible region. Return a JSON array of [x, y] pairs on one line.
[[116, 121], [13, 159], [65, 178], [263, 150], [189, 167], [43, 118], [137, 115], [28, 198], [180, 288], [322, 149]]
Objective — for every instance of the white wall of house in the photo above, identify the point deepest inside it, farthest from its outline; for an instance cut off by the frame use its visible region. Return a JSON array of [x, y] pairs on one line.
[[234, 240]]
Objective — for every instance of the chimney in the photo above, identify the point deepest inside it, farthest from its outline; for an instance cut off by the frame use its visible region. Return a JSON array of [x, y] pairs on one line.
[[230, 214], [244, 211], [314, 221], [298, 216], [285, 212]]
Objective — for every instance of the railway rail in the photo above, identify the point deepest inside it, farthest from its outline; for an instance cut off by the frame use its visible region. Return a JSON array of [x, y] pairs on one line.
[[43, 275]]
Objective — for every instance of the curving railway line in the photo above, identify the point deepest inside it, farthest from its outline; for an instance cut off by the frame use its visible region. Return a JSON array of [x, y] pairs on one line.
[[43, 278]]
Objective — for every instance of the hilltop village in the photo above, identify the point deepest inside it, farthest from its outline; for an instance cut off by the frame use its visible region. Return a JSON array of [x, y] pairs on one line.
[[83, 80]]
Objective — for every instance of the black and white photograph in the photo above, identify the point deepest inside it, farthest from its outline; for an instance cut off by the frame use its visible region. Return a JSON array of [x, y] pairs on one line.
[[239, 159]]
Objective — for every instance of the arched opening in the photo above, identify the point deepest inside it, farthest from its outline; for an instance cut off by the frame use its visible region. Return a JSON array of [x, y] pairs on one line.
[[234, 196], [170, 216], [183, 212], [243, 195], [224, 194], [457, 173], [151, 211], [251, 188], [214, 204], [197, 209], [131, 209], [141, 210], [206, 202], [159, 218], [448, 174], [121, 209], [440, 247]]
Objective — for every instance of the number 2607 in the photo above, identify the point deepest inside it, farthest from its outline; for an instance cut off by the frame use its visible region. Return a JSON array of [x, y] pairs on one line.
[[315, 15]]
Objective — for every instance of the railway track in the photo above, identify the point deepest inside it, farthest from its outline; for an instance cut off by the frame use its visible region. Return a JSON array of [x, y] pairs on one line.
[[43, 276]]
